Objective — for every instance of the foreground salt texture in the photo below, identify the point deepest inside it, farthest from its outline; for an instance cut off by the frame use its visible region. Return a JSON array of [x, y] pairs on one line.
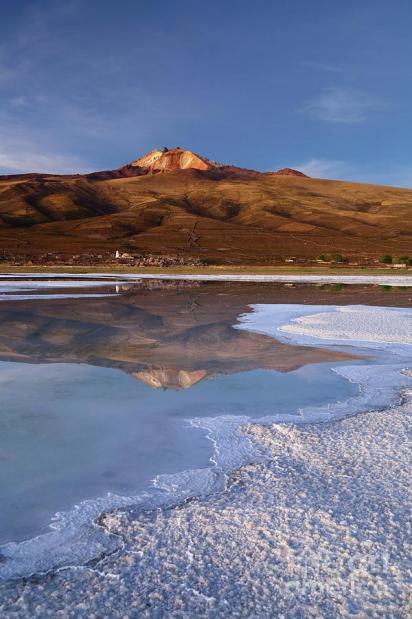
[[319, 531], [356, 323], [353, 324], [320, 528]]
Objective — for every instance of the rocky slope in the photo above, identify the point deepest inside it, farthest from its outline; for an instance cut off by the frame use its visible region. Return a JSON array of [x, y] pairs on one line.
[[166, 160]]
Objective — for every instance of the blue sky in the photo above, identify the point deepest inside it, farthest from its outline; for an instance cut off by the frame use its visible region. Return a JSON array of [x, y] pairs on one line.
[[323, 86]]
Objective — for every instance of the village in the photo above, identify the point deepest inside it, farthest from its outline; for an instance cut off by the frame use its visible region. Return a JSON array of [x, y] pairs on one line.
[[136, 260], [102, 259]]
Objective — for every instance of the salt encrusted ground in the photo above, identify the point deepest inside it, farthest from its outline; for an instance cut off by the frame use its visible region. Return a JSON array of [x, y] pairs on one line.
[[322, 530], [356, 323], [374, 327]]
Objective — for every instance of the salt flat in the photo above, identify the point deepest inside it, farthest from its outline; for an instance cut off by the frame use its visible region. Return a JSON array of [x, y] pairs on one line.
[[307, 517]]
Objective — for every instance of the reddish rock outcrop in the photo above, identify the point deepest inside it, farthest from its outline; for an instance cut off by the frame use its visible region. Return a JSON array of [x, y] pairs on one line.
[[170, 378], [166, 160], [173, 159], [288, 172]]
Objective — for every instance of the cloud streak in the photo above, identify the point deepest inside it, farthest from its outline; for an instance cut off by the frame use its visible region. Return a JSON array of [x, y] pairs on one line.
[[326, 168], [343, 106], [20, 153], [321, 66], [56, 100], [32, 161], [334, 169]]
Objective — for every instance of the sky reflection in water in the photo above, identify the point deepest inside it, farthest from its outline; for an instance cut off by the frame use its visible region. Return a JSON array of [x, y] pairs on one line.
[[95, 394]]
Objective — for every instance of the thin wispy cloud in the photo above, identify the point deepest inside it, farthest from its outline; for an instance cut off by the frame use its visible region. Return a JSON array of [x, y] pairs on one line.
[[325, 168], [342, 105], [18, 101], [33, 161], [55, 99], [20, 153], [77, 79], [395, 175], [321, 66]]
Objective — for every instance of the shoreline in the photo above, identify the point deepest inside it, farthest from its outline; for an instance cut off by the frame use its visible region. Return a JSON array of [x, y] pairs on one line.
[[246, 270], [71, 279], [305, 513], [76, 536]]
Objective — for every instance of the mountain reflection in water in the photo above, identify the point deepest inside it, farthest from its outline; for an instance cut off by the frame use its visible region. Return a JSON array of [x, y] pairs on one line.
[[171, 337], [95, 398]]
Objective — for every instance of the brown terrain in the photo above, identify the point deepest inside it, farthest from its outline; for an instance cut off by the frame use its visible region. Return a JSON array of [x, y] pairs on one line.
[[177, 202]]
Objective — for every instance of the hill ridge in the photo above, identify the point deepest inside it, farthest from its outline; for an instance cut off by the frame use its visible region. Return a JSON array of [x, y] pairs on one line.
[[184, 204]]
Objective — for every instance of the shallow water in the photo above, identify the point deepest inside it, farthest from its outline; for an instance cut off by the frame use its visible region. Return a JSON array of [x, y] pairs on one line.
[[73, 431], [97, 393]]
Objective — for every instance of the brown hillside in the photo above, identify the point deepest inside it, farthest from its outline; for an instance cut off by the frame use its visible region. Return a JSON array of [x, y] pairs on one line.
[[220, 213]]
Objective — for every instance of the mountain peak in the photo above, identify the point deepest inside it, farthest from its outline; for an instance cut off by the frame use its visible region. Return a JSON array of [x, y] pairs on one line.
[[170, 378], [167, 160]]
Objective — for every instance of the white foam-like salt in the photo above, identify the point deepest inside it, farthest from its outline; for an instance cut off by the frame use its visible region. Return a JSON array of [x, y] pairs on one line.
[[387, 330], [356, 323]]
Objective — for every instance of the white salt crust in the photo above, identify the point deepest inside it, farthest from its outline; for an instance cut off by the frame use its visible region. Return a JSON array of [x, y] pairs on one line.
[[75, 539], [319, 530]]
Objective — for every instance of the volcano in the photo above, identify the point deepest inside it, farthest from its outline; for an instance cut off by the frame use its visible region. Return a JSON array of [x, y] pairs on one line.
[[173, 159], [176, 202], [166, 160]]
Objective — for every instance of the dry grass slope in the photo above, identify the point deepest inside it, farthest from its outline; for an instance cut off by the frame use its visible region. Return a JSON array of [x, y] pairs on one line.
[[218, 216]]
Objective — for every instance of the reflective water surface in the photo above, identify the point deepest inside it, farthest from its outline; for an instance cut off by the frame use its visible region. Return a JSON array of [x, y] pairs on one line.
[[96, 394]]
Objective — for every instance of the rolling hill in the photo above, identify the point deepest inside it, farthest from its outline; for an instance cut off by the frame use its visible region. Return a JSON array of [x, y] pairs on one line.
[[177, 202]]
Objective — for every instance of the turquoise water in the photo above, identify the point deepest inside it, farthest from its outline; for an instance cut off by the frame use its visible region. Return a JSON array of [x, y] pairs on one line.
[[97, 394], [70, 432]]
